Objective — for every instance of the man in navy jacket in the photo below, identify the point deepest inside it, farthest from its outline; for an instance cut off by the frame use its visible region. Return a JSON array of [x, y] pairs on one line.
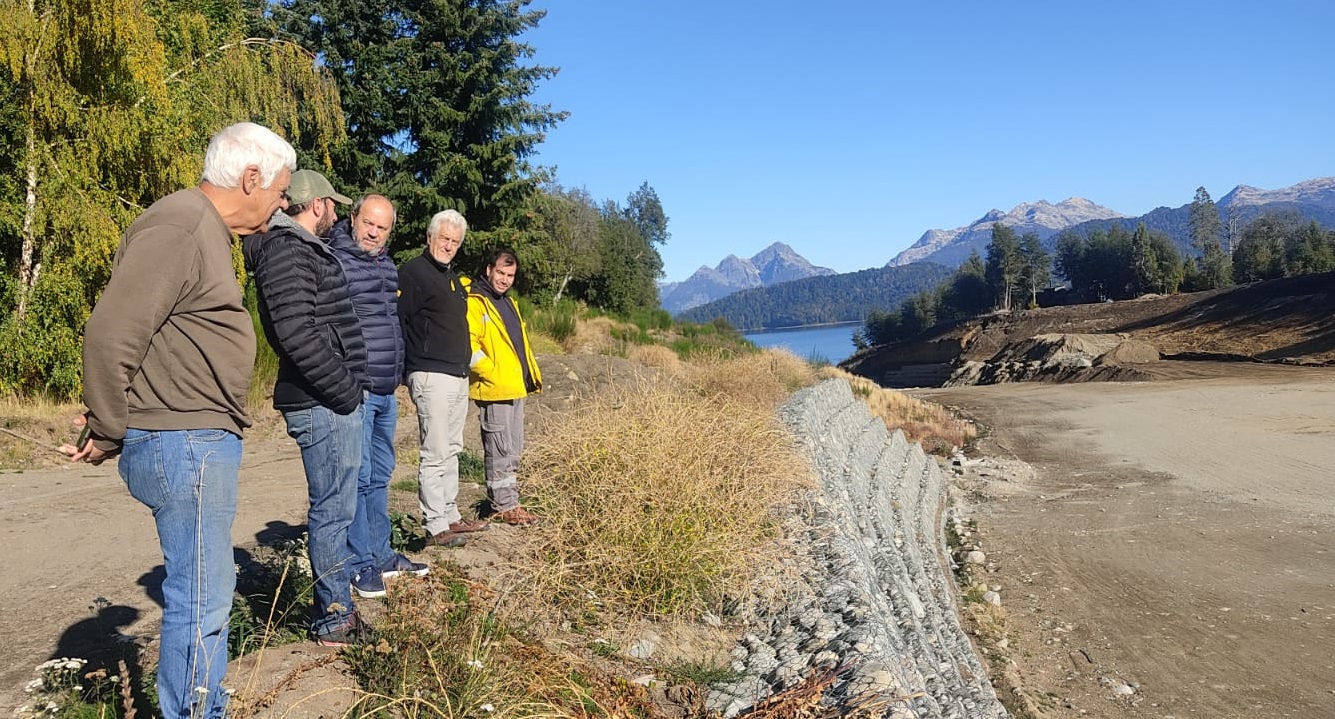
[[373, 283]]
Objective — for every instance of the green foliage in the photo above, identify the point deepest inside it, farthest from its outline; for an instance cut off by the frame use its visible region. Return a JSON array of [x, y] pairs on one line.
[[1206, 230], [406, 532], [108, 105], [703, 674], [471, 468], [272, 599], [1282, 245], [1005, 265], [558, 322], [565, 235], [43, 347], [629, 266], [1035, 267], [963, 295]]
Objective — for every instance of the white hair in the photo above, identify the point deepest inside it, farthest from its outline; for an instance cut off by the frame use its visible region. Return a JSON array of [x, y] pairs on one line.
[[243, 145], [450, 218]]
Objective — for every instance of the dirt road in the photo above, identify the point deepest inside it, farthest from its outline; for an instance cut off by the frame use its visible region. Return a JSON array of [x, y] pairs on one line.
[[1176, 537], [73, 534]]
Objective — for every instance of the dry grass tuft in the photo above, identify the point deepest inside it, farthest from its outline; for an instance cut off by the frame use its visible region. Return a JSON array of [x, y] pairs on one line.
[[32, 428], [761, 379], [442, 652], [658, 503], [932, 425], [657, 356], [595, 336]]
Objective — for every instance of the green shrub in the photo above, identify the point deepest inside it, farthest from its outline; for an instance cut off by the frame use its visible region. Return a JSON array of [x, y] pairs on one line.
[[272, 599]]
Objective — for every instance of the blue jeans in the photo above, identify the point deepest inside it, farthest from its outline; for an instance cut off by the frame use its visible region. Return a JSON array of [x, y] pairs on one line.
[[188, 478], [368, 536], [331, 452]]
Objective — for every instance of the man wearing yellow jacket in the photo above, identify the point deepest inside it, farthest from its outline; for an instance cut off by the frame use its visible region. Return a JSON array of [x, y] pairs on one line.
[[502, 372]]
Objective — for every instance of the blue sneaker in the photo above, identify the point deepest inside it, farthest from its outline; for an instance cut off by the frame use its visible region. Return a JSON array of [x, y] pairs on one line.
[[368, 584], [399, 564]]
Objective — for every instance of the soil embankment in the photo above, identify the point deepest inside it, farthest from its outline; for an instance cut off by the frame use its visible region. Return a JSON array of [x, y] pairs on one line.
[[1280, 321]]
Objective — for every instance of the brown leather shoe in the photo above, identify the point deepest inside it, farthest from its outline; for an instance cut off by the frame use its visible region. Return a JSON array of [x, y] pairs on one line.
[[517, 517], [447, 538], [468, 525]]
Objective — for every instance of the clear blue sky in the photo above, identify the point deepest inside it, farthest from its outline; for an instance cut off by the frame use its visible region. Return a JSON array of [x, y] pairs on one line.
[[848, 129]]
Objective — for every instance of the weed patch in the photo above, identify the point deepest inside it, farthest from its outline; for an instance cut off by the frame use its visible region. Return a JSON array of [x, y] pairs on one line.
[[933, 426], [442, 652], [657, 502]]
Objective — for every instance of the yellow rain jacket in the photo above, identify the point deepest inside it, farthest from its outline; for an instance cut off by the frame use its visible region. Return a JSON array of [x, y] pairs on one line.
[[495, 373]]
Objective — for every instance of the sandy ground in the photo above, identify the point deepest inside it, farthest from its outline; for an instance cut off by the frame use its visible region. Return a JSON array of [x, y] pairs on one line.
[[1175, 536], [74, 534]]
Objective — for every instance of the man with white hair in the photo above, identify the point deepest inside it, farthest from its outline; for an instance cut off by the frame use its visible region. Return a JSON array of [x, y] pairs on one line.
[[433, 309], [167, 357]]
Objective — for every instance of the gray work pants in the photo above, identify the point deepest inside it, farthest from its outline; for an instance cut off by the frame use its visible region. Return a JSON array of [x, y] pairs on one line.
[[502, 443]]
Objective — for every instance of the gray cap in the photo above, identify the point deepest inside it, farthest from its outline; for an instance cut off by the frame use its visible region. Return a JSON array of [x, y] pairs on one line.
[[310, 185]]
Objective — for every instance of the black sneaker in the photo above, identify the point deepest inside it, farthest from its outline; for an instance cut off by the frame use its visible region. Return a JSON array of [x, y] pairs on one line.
[[369, 584], [354, 631], [399, 564]]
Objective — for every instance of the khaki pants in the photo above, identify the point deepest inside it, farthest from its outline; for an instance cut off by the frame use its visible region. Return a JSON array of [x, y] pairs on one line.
[[442, 407]]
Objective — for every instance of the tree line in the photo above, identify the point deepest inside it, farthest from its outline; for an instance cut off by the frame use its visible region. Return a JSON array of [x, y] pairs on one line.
[[819, 300], [108, 105], [1109, 264]]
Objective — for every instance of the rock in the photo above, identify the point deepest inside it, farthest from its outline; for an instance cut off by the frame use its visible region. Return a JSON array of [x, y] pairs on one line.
[[993, 598], [644, 647], [974, 557]]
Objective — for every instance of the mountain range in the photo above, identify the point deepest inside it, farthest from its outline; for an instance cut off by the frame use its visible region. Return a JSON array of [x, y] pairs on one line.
[[1312, 199], [769, 303], [952, 247], [773, 265]]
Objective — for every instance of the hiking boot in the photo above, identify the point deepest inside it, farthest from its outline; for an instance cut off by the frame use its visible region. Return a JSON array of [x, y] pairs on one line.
[[516, 517], [369, 583], [468, 525], [447, 538], [354, 631], [399, 564]]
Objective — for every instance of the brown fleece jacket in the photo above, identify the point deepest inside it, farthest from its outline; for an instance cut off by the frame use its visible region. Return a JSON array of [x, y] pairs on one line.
[[169, 345]]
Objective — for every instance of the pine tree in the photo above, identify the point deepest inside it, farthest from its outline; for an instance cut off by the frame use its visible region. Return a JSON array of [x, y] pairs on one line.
[[1206, 229], [1144, 261], [1005, 264], [436, 96]]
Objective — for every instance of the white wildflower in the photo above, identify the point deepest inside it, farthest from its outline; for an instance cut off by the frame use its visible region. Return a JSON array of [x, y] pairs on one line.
[[201, 690], [474, 663], [487, 708], [35, 685]]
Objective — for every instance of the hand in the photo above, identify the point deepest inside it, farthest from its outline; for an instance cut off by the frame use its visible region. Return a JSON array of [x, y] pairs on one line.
[[89, 453], [83, 449]]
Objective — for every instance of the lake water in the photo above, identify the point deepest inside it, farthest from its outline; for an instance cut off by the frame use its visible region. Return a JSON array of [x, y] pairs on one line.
[[828, 342]]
